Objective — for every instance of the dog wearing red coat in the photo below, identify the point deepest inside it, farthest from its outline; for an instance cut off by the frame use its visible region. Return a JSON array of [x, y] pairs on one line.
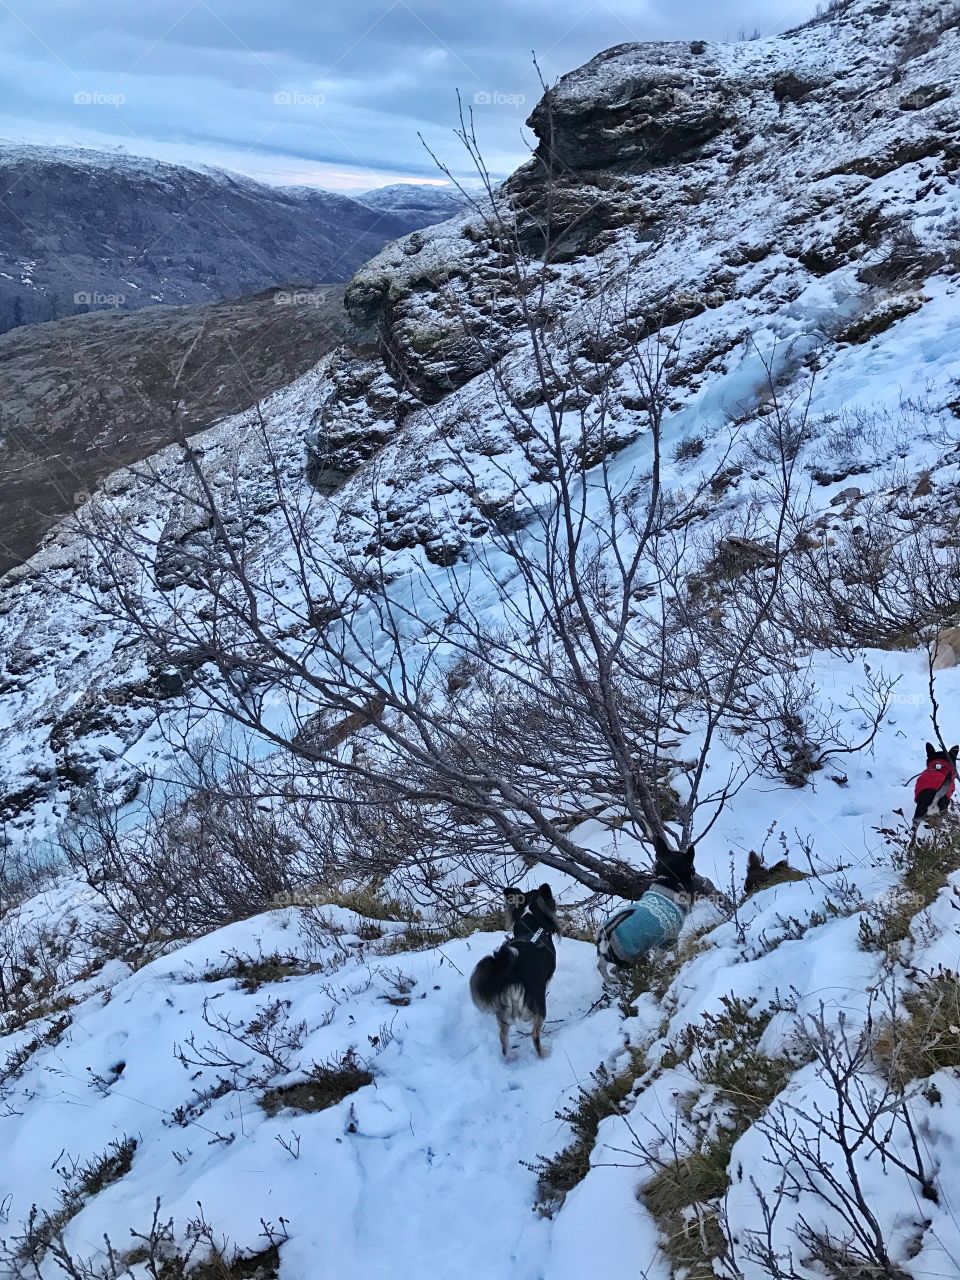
[[935, 787]]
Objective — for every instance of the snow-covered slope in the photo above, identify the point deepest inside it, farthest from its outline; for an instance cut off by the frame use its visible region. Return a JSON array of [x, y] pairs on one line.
[[83, 230], [415, 200], [785, 213], [812, 206]]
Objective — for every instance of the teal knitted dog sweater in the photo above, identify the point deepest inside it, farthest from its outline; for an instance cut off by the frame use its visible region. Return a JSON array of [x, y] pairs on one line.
[[655, 921]]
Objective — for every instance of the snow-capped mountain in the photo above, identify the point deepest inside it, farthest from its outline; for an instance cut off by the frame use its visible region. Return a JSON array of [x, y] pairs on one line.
[[98, 230], [415, 201], [775, 221]]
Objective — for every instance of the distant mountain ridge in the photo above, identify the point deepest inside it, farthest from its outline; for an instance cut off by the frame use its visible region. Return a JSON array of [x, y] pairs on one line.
[[86, 230], [411, 199]]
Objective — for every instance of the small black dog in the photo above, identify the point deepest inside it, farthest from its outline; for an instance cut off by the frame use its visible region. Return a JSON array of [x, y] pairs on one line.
[[512, 983], [655, 920], [935, 786]]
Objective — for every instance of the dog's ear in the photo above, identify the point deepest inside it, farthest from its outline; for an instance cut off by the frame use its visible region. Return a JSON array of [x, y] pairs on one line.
[[756, 872], [547, 904], [514, 900], [931, 750], [661, 848], [954, 752]]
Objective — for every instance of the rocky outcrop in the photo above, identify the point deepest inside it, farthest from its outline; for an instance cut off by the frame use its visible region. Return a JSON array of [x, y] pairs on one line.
[[726, 175], [635, 107]]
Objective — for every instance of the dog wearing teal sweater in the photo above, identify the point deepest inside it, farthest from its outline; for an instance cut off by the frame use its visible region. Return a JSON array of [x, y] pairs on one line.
[[654, 922]]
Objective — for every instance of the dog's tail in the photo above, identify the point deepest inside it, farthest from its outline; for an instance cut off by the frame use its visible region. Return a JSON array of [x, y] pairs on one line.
[[492, 976]]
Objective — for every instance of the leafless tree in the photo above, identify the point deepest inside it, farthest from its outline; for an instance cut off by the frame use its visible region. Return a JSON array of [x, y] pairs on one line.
[[578, 655], [202, 851]]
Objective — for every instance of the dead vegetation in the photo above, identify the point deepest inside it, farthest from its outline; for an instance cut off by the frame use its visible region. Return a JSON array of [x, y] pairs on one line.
[[160, 1252], [923, 1038], [606, 1095], [327, 1084], [924, 865], [688, 1163]]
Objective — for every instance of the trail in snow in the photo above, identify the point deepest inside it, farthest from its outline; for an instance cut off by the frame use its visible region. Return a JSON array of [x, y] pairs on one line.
[[418, 1173]]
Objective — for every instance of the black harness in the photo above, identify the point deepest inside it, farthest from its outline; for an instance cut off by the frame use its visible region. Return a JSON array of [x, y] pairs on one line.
[[528, 929]]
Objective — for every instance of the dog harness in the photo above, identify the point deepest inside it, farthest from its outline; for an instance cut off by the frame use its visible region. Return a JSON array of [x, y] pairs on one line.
[[940, 775], [533, 934], [653, 922]]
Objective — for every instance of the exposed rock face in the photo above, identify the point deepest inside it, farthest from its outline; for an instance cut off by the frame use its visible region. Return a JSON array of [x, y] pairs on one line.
[[733, 176], [635, 107]]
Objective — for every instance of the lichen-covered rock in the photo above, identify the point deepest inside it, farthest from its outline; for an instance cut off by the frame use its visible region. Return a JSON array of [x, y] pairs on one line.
[[636, 106]]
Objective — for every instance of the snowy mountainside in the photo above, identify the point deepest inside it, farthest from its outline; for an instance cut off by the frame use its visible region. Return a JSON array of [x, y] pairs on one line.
[[415, 200], [760, 260], [780, 215], [85, 230]]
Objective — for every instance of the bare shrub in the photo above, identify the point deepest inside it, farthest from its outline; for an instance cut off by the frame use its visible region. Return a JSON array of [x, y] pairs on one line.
[[159, 1252], [923, 1039], [817, 1153], [80, 1180], [209, 850], [924, 866], [605, 1095], [273, 1040]]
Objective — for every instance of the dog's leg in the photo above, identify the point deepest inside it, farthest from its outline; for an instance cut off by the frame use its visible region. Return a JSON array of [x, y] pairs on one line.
[[504, 1028], [537, 1028]]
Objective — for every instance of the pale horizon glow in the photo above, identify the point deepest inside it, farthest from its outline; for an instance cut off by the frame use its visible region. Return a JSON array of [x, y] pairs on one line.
[[345, 98]]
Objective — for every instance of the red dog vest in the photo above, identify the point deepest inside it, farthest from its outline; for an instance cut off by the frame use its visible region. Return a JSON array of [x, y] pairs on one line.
[[937, 774]]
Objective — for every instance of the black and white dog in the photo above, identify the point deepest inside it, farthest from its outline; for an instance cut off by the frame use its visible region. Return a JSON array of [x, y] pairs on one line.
[[655, 920], [512, 983]]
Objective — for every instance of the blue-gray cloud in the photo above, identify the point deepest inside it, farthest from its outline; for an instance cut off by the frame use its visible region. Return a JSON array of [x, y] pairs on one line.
[[295, 90]]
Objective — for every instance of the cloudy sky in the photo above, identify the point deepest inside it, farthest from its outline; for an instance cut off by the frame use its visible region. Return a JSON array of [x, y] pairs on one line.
[[327, 92]]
